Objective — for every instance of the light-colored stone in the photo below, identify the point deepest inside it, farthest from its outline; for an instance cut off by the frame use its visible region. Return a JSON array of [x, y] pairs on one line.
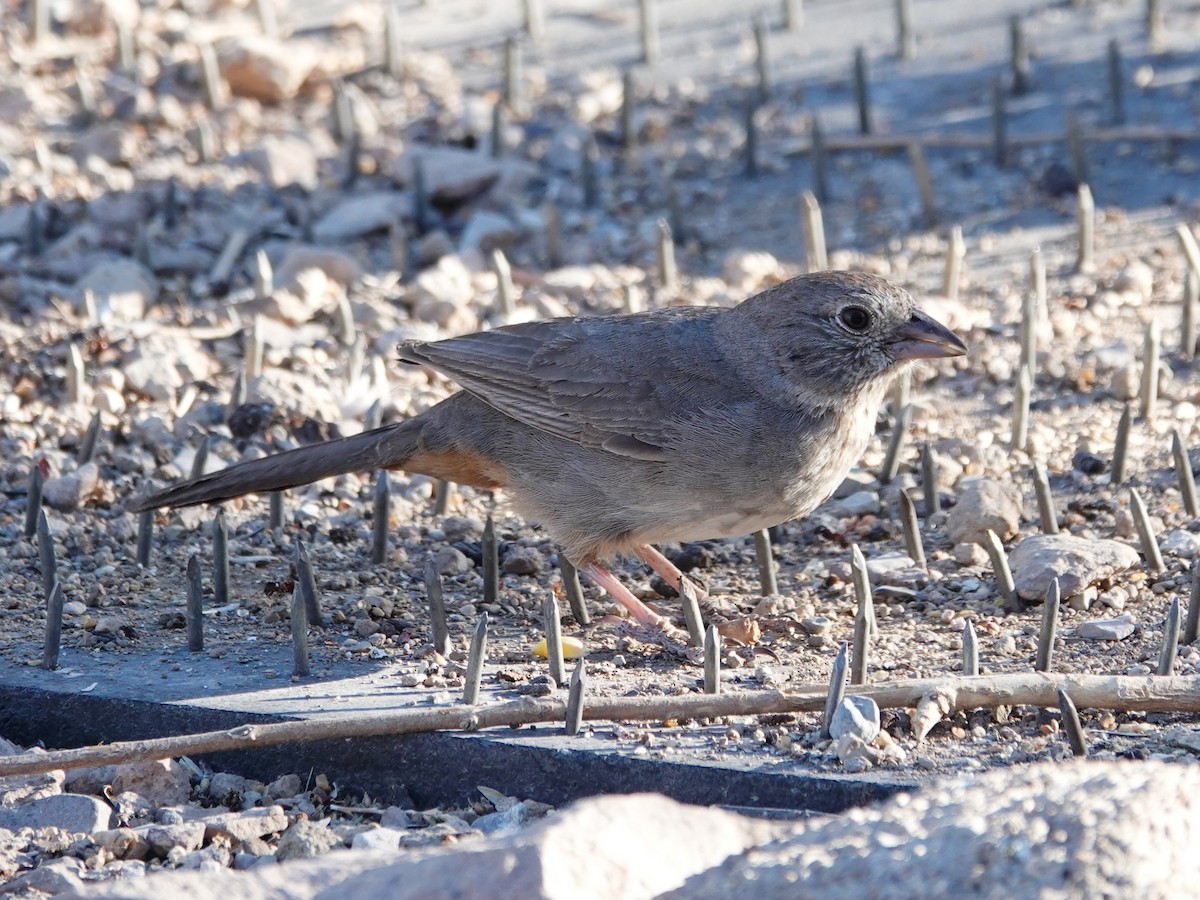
[[1106, 629], [284, 159], [524, 561], [1076, 562], [487, 230], [377, 839], [123, 289], [72, 490], [265, 68], [451, 561], [359, 215], [305, 839], [242, 826], [860, 503], [983, 504], [75, 813], [858, 716], [162, 782]]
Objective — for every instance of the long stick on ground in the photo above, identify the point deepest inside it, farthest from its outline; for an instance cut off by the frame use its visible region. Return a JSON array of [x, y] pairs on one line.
[[1174, 693]]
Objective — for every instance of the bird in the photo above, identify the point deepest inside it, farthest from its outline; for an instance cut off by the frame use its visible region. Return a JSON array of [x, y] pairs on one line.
[[619, 432]]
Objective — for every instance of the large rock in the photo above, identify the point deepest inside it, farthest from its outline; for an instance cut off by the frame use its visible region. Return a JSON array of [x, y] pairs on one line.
[[284, 159], [123, 288], [71, 812], [1082, 829], [1077, 563], [265, 68], [984, 504], [354, 217], [161, 782]]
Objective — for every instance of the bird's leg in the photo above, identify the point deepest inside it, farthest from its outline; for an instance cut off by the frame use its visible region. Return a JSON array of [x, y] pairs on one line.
[[623, 595], [665, 569]]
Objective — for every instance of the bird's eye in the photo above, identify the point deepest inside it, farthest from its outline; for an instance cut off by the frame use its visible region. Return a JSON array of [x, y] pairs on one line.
[[855, 318]]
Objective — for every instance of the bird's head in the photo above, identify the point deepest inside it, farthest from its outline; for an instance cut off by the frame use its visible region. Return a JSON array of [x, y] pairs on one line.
[[826, 337]]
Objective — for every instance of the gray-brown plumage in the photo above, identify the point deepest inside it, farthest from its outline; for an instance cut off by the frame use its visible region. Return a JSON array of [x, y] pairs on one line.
[[671, 425]]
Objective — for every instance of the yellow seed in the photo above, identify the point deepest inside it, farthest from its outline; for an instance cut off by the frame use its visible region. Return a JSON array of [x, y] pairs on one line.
[[572, 648]]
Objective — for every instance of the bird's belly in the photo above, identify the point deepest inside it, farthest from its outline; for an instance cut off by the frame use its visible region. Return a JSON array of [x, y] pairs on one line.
[[723, 523]]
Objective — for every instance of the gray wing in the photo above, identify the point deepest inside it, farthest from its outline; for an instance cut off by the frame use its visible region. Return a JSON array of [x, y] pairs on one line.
[[621, 383]]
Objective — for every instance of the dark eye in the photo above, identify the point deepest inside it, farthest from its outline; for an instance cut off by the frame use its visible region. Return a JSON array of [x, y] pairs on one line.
[[855, 318]]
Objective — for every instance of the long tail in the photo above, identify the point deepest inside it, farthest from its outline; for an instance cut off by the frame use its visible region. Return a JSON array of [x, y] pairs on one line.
[[382, 448]]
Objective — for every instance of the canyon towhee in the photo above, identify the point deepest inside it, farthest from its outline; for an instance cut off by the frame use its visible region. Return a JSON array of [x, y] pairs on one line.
[[619, 432]]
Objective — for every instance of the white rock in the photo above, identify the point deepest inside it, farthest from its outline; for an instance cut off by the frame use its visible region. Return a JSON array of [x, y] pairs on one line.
[[1182, 543], [1037, 560], [265, 68], [360, 215], [1106, 629], [377, 839], [71, 490], [858, 716], [487, 230], [984, 504], [123, 289], [284, 159]]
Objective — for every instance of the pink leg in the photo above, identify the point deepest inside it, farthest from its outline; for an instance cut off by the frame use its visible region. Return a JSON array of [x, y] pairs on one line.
[[623, 595], [664, 567]]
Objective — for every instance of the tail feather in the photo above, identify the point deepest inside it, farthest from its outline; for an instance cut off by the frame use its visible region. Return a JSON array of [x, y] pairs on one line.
[[382, 448]]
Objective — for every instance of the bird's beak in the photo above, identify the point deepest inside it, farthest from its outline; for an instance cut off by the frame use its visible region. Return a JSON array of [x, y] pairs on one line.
[[924, 338]]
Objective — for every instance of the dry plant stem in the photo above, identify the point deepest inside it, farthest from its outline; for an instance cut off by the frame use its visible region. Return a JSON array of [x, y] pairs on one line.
[[220, 536], [906, 41], [862, 96], [1072, 727], [920, 167], [306, 583], [956, 250], [691, 612], [1187, 243], [33, 500], [575, 699], [300, 668], [837, 688], [814, 233], [47, 563], [554, 643], [668, 276], [491, 562], [1045, 500], [475, 660], [1085, 213], [1151, 349], [912, 530], [1004, 578], [574, 591], [1191, 629], [1141, 519], [505, 292], [891, 461], [195, 606], [445, 490], [648, 19], [1147, 693], [712, 660], [54, 614], [1183, 473], [1121, 446], [1170, 647], [1020, 412], [1190, 318], [1049, 630], [970, 651], [929, 486], [440, 634], [766, 563], [382, 515], [145, 537], [864, 598]]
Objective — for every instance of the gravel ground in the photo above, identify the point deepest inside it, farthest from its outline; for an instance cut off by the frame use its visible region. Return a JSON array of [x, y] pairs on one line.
[[124, 207]]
